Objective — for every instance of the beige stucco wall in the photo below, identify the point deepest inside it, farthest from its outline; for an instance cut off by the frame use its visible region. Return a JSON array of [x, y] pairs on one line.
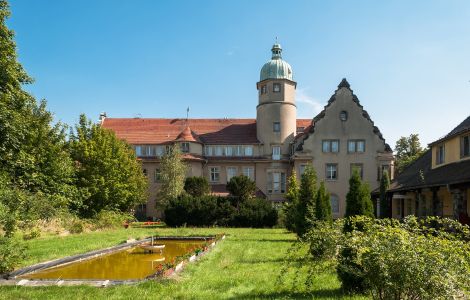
[[451, 152], [276, 107], [356, 127]]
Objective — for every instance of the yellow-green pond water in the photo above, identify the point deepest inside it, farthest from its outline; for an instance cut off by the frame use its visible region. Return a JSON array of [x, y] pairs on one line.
[[130, 264]]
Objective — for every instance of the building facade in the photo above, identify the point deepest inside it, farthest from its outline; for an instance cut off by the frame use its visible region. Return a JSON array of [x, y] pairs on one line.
[[437, 183], [266, 149]]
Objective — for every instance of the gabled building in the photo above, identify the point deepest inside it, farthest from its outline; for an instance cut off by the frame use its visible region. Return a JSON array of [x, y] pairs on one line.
[[437, 183], [266, 149]]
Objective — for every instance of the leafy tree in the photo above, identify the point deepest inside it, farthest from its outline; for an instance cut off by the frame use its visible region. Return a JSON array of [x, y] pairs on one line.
[[197, 186], [358, 200], [384, 205], [33, 153], [292, 196], [407, 149], [107, 170], [323, 205], [241, 187], [173, 174], [305, 210]]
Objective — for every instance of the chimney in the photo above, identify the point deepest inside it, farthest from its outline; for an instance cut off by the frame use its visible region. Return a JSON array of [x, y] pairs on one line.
[[102, 116]]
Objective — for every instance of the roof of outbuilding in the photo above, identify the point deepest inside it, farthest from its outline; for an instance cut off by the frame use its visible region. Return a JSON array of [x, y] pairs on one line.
[[461, 128], [419, 174], [207, 131]]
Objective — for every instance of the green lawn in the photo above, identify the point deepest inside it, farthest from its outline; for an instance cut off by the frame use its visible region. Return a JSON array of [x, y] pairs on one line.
[[246, 265]]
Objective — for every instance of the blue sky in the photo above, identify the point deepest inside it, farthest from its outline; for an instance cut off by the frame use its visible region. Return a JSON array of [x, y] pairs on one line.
[[407, 61]]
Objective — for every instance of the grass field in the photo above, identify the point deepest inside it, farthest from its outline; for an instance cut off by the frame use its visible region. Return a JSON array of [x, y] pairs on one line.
[[246, 265]]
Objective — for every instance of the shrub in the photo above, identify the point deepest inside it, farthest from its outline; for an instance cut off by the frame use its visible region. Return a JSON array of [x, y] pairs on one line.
[[197, 186], [76, 225], [324, 239], [398, 264], [221, 211], [255, 212], [241, 187], [110, 219], [12, 252]]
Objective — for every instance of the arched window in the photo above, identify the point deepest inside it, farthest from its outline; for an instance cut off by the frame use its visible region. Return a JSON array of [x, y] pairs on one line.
[[334, 200]]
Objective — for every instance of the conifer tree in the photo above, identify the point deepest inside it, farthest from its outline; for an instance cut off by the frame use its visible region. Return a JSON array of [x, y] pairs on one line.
[[358, 200], [173, 174], [384, 205], [292, 196], [323, 205], [305, 211]]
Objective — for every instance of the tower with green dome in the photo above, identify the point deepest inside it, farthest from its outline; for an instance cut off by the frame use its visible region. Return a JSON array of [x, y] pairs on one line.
[[276, 112]]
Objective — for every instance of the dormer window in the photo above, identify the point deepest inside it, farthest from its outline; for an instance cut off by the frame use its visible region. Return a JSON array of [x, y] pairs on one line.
[[263, 89], [300, 130], [343, 116], [440, 154], [465, 146], [185, 147], [276, 87]]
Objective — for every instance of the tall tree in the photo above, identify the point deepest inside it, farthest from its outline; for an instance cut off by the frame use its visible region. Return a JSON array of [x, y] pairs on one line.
[[33, 153], [407, 150], [107, 170], [358, 200], [305, 211], [173, 174], [323, 205], [384, 205], [292, 196]]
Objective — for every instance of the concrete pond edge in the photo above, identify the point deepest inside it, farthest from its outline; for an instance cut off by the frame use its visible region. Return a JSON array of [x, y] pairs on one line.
[[11, 279]]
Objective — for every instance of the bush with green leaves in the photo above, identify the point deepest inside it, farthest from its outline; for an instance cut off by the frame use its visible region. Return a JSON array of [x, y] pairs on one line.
[[323, 239], [197, 186], [358, 200], [220, 211], [108, 219], [12, 252], [395, 263]]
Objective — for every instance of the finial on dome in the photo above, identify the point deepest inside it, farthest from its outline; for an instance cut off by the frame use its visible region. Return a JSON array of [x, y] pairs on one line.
[[276, 50]]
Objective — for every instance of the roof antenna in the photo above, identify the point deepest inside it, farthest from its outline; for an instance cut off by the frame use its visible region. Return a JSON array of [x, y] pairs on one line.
[[276, 40], [187, 115]]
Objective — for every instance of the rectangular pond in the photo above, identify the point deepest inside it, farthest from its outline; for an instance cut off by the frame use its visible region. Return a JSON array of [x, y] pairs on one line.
[[134, 263]]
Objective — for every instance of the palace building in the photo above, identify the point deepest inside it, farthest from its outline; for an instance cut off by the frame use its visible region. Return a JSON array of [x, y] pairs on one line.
[[338, 140]]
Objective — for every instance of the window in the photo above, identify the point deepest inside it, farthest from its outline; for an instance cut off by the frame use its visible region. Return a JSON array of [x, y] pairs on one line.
[[248, 150], [228, 151], [185, 147], [440, 154], [214, 174], [249, 172], [209, 150], [331, 171], [334, 204], [157, 175], [219, 151], [138, 150], [358, 146], [276, 152], [277, 127], [231, 172], [359, 168], [238, 151], [145, 172], [277, 87], [330, 146], [160, 150], [465, 146], [263, 89], [276, 182], [343, 116], [299, 130], [302, 169]]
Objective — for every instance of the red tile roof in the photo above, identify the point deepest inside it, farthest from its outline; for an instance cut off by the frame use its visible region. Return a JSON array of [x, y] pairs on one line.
[[208, 131]]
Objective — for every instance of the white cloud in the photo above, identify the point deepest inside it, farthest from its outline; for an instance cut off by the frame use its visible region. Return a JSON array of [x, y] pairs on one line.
[[307, 106]]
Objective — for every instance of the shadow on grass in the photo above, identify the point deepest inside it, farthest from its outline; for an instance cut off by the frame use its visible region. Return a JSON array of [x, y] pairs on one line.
[[276, 260], [318, 294]]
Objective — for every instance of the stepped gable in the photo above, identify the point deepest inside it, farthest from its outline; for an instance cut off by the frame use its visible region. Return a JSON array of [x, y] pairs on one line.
[[343, 84]]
